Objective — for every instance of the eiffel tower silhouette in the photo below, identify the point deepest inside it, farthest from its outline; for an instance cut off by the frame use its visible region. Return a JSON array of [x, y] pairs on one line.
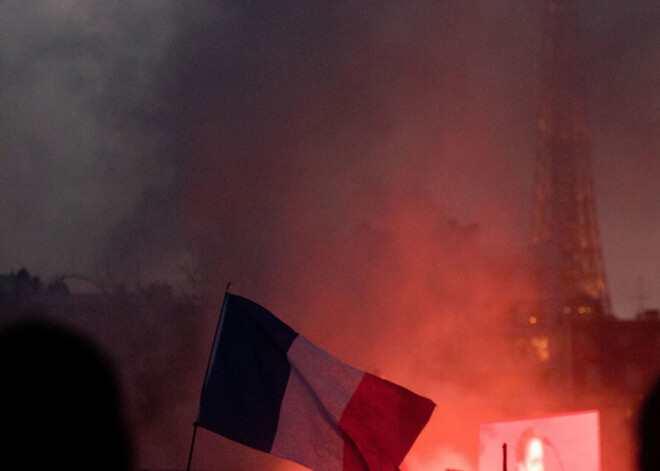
[[566, 242]]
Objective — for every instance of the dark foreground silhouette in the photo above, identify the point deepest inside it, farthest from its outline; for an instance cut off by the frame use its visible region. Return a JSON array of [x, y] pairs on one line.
[[648, 430], [59, 403]]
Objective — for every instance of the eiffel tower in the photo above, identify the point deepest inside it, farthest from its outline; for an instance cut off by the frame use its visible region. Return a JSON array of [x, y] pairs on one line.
[[566, 242]]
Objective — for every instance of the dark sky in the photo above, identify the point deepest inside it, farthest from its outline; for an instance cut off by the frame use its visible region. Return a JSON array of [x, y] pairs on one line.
[[147, 133]]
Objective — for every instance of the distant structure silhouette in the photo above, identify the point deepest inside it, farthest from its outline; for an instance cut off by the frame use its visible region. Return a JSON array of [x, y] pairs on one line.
[[59, 403], [565, 235]]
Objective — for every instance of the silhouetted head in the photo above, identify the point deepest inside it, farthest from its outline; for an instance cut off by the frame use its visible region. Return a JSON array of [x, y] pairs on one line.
[[648, 430], [59, 403], [529, 451]]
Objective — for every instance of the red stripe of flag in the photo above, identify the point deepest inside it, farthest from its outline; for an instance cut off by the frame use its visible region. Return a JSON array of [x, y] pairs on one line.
[[380, 424]]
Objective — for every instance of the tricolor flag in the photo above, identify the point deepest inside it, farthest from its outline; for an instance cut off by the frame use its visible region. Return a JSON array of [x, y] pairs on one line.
[[271, 389]]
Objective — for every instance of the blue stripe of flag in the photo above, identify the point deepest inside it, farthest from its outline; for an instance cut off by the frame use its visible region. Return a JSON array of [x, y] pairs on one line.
[[248, 375]]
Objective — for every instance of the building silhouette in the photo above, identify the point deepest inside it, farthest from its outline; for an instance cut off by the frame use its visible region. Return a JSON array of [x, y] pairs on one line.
[[587, 357], [565, 235]]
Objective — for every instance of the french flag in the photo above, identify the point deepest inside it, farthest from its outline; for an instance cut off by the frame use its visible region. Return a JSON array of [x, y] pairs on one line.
[[271, 389]]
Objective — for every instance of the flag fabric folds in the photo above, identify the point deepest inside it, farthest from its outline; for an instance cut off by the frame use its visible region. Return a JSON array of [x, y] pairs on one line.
[[271, 389]]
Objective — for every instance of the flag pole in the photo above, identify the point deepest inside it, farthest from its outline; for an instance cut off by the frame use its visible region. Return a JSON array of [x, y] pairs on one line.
[[504, 466], [206, 373]]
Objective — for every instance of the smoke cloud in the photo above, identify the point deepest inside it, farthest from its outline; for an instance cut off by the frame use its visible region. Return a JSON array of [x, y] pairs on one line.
[[79, 145]]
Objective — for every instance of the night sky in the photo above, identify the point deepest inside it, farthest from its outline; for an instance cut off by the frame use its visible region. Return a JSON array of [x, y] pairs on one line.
[[255, 136]]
